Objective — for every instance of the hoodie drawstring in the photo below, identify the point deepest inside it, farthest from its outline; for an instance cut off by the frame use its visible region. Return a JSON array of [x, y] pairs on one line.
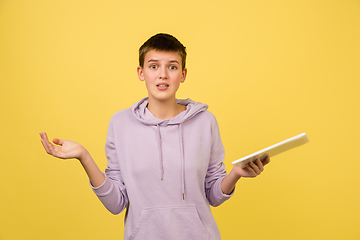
[[160, 153], [181, 154], [182, 162]]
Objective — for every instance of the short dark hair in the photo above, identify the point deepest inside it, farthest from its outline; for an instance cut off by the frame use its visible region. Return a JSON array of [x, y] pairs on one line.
[[162, 42]]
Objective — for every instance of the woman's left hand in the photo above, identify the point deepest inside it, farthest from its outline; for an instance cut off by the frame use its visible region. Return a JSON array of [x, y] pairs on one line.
[[252, 169]]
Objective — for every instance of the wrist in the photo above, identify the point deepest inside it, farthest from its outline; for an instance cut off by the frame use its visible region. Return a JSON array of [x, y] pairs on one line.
[[235, 174], [84, 156], [229, 182]]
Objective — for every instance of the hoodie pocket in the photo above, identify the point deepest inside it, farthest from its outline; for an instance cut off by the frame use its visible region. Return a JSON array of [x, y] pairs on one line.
[[172, 222]]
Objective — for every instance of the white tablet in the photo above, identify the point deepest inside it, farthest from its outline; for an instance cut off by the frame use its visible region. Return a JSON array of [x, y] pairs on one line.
[[273, 150]]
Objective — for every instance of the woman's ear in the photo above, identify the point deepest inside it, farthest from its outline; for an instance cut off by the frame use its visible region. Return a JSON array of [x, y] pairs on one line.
[[183, 75], [140, 73]]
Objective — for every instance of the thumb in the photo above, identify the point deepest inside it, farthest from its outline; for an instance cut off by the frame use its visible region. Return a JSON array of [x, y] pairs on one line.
[[58, 141]]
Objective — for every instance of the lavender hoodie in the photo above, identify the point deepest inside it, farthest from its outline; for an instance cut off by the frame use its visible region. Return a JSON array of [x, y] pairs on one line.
[[165, 172]]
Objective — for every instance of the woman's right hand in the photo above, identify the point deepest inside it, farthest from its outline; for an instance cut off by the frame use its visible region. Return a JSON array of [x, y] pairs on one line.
[[63, 149]]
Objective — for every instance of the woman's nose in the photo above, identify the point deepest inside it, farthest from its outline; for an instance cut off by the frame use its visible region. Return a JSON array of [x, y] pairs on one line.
[[163, 73]]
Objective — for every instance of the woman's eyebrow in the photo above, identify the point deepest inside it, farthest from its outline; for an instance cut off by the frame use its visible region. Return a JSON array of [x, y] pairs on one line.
[[155, 60]]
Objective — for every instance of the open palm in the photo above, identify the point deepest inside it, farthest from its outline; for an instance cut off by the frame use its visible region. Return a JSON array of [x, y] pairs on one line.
[[63, 149]]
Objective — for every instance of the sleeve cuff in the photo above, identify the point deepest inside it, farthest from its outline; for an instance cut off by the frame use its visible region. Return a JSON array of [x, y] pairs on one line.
[[104, 188], [219, 195]]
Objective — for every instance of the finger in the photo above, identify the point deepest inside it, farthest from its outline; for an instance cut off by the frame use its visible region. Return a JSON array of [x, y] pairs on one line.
[[43, 135], [49, 148], [259, 164], [250, 170], [58, 141], [266, 160], [44, 141], [45, 146], [255, 168]]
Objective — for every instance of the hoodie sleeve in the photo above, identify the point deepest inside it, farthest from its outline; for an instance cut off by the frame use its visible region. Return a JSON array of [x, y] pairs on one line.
[[112, 193], [216, 170]]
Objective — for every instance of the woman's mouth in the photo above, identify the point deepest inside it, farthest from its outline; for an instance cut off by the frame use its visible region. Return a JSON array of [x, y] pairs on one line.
[[162, 86]]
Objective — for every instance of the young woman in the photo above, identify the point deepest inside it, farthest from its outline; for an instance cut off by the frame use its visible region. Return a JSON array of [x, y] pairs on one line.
[[165, 156]]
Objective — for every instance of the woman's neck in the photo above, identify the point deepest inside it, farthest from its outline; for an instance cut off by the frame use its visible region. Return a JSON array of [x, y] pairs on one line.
[[165, 109]]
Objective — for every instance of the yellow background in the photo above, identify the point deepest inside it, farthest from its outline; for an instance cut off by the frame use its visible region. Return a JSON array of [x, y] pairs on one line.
[[269, 70]]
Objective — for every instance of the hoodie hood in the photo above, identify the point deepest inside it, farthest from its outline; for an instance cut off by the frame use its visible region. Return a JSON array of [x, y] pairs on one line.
[[143, 115]]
